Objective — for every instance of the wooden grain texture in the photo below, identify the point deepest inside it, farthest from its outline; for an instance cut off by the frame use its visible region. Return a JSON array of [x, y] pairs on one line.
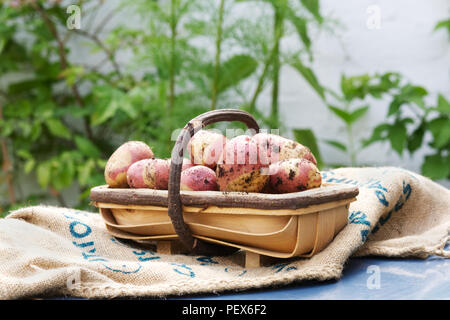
[[203, 199]]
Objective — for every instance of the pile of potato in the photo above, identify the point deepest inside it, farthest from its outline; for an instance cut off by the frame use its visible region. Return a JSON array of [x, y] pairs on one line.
[[264, 162]]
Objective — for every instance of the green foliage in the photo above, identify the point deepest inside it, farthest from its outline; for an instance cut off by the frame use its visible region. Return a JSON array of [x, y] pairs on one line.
[[288, 18], [61, 119], [410, 120], [234, 70], [310, 77], [444, 24], [350, 105]]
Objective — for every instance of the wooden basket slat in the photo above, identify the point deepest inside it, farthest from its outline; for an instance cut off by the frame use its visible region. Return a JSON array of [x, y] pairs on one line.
[[287, 236], [295, 200]]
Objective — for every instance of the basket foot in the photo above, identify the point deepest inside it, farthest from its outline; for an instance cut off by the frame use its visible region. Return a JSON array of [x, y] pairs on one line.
[[252, 260], [256, 260], [169, 247]]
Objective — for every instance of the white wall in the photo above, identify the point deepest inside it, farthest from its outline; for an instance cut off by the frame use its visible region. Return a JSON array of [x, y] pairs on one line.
[[404, 43]]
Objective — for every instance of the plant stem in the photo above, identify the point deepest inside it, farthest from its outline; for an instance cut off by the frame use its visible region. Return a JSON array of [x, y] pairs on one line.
[[58, 197], [7, 166], [173, 35], [64, 64], [351, 143], [267, 64], [108, 52], [277, 30], [217, 60], [261, 79]]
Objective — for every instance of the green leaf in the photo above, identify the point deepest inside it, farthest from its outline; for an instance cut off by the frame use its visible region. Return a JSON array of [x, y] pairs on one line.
[[308, 139], [310, 77], [43, 174], [6, 128], [2, 44], [379, 133], [301, 25], [336, 144], [128, 108], [87, 147], [355, 86], [29, 165], [18, 109], [26, 85], [397, 135], [436, 167], [386, 82], [57, 128], [394, 106], [36, 131], [358, 113], [443, 105], [71, 74], [101, 163], [234, 70], [84, 172], [440, 128], [107, 113], [24, 154], [416, 138], [65, 175], [313, 7], [341, 113], [443, 24]]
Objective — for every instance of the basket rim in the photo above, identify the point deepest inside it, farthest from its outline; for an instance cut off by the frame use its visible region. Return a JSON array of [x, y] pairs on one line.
[[296, 200]]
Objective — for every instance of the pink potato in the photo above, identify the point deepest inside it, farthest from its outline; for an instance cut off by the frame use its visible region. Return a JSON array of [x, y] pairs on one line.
[[119, 162], [149, 173], [239, 168], [273, 148], [205, 148], [198, 178], [293, 175]]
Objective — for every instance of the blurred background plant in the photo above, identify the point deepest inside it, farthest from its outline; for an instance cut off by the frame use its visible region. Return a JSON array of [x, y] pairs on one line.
[[63, 113]]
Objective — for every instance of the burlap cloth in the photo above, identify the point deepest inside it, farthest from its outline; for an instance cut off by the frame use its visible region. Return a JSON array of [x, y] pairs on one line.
[[58, 251]]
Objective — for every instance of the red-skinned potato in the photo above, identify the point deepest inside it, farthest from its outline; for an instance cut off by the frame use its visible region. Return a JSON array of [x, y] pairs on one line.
[[149, 173], [205, 148], [239, 168], [198, 178], [119, 162], [273, 148], [294, 175]]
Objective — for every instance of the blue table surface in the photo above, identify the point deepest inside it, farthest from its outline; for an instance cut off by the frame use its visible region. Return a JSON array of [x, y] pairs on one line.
[[398, 279], [363, 279]]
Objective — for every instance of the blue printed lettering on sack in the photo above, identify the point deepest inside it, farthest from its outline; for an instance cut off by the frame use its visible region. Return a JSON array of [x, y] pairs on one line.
[[142, 255], [283, 266], [206, 261], [380, 191], [81, 232], [240, 273], [183, 270], [359, 217], [406, 193]]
